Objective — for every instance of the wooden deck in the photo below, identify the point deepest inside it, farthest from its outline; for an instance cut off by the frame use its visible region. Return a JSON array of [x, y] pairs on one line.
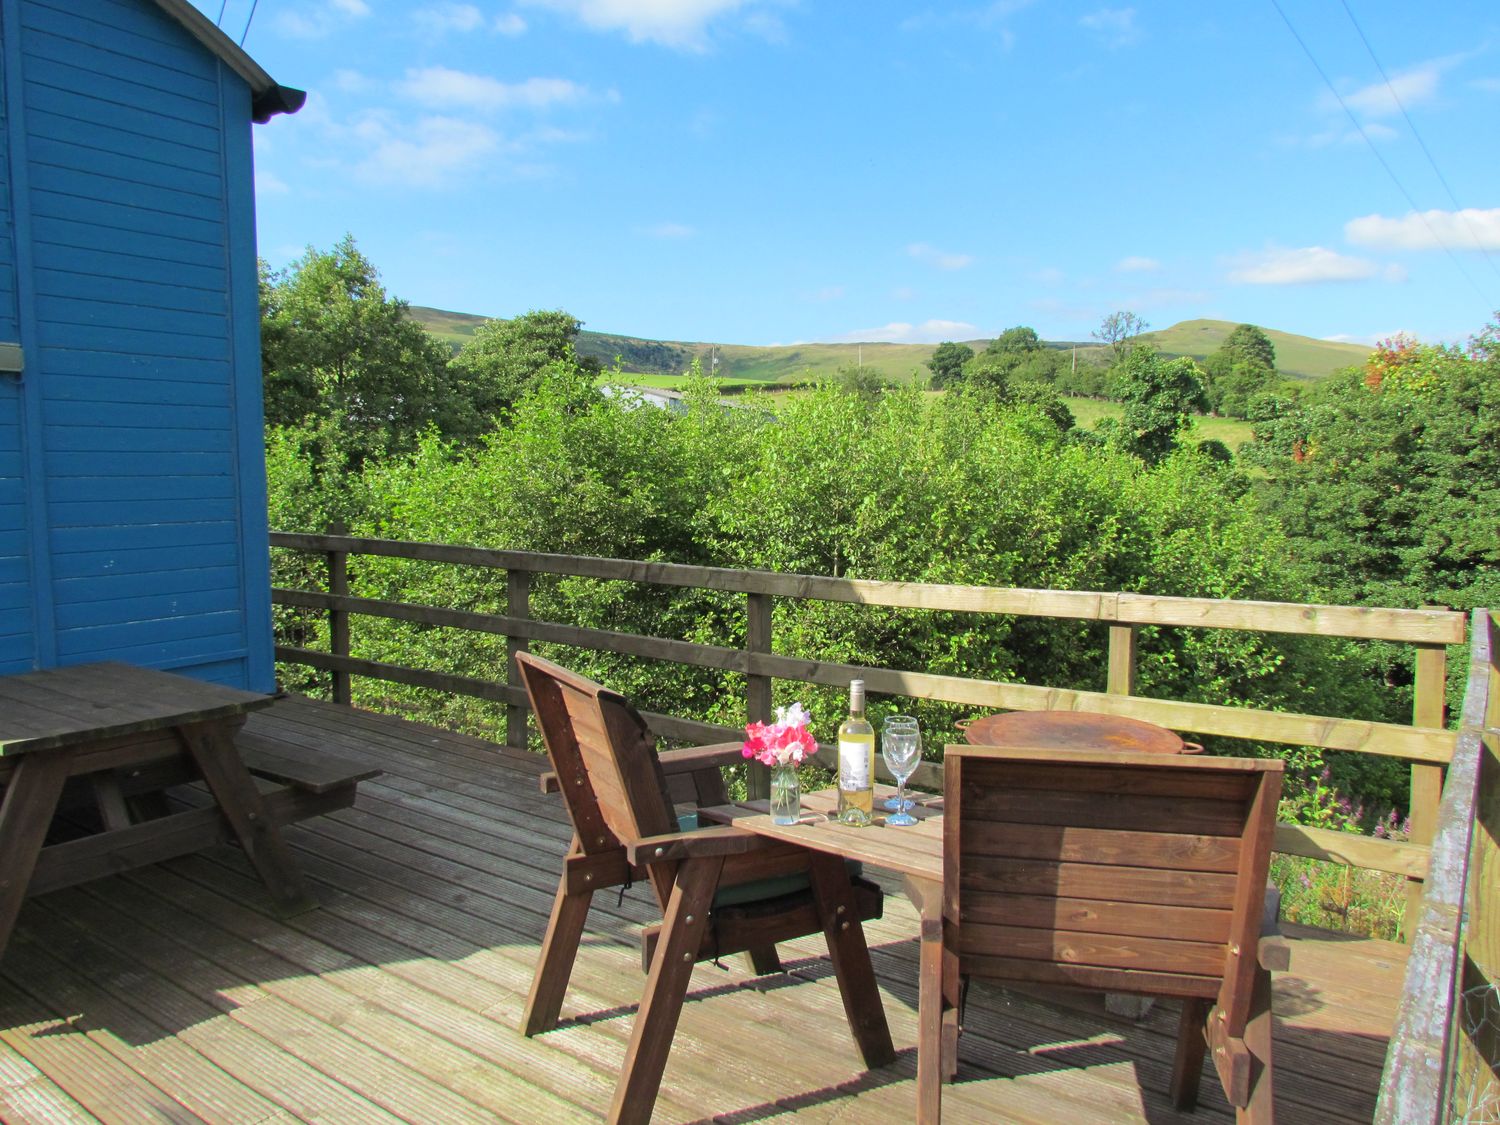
[[173, 993]]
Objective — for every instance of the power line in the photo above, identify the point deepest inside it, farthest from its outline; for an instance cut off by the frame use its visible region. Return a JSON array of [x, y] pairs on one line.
[[1389, 171], [219, 22], [255, 4], [1412, 125]]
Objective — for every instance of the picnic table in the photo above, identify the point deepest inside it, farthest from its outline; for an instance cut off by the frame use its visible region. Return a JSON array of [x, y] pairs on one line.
[[122, 735]]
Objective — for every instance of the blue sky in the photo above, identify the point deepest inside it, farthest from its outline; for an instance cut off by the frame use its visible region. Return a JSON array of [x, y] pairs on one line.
[[770, 171]]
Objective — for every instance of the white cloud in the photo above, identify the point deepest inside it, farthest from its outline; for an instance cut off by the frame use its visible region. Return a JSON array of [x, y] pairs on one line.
[[1469, 229], [1049, 275], [669, 230], [899, 332], [510, 24], [1137, 265], [443, 18], [351, 82], [444, 88], [1308, 265], [827, 293], [430, 152], [315, 21], [1409, 88], [942, 259], [1488, 85], [268, 183], [1116, 26], [672, 23]]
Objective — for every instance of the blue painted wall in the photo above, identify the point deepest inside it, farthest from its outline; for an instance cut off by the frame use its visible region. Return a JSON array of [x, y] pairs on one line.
[[137, 429]]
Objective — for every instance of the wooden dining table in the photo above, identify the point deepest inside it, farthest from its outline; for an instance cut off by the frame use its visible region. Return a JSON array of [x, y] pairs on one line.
[[125, 733], [914, 852]]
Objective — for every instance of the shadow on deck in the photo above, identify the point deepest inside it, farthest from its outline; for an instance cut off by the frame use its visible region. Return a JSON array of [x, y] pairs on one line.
[[173, 994]]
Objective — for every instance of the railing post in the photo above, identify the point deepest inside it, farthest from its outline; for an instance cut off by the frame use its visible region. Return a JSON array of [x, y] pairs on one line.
[[338, 619], [517, 605], [1430, 689], [1122, 659], [757, 688]]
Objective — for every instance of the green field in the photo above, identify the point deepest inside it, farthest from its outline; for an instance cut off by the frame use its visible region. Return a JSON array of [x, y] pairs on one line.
[[1297, 357]]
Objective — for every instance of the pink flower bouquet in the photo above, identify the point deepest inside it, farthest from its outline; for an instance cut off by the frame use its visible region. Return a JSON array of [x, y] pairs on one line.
[[785, 742]]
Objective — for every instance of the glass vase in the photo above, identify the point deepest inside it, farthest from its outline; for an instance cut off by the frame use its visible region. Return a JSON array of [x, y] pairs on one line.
[[786, 795]]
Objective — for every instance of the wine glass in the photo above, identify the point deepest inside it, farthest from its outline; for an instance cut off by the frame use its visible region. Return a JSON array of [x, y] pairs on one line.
[[898, 804], [901, 747]]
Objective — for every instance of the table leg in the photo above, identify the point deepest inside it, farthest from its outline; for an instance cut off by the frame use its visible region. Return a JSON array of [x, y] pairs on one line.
[[212, 748], [30, 800], [927, 896]]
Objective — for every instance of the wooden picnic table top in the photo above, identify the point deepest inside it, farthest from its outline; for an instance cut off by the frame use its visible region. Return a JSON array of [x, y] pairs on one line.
[[89, 702]]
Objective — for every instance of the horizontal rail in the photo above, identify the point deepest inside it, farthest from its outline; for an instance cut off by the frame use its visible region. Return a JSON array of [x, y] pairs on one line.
[[1385, 739], [1412, 626]]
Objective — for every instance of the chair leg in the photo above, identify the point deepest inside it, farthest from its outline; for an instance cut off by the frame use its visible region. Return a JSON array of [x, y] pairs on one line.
[[851, 958], [1187, 1069], [1260, 1108], [682, 929], [764, 960], [559, 949]]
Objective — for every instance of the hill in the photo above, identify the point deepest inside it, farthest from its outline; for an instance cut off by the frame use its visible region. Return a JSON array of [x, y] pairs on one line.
[[1299, 357]]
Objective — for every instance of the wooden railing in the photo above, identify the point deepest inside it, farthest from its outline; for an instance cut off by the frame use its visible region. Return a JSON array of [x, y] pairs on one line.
[[1446, 1045], [1425, 744]]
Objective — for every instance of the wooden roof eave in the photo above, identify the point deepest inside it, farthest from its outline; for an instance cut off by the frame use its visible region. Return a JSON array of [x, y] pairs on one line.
[[268, 96]]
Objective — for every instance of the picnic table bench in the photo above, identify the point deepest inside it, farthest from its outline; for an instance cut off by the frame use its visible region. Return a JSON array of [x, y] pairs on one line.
[[88, 753]]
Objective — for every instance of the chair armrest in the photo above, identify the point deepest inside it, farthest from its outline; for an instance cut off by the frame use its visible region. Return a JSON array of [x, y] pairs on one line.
[[1274, 954], [1272, 951], [721, 839], [691, 758]]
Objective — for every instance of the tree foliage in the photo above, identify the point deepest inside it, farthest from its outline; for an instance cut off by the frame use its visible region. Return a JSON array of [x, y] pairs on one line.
[[1160, 397], [1117, 330], [506, 356], [1241, 368], [947, 362], [1387, 476], [342, 358]]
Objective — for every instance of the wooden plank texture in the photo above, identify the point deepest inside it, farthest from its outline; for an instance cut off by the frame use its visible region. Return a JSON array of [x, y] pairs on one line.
[[173, 989]]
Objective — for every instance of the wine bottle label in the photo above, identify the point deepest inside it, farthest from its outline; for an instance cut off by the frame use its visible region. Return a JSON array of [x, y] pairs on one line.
[[854, 765]]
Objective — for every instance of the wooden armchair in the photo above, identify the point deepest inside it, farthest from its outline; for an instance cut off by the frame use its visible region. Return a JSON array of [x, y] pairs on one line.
[[1126, 873], [721, 890]]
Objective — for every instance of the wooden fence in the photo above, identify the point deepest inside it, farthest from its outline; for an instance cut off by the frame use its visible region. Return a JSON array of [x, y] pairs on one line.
[[1446, 1045], [1424, 743]]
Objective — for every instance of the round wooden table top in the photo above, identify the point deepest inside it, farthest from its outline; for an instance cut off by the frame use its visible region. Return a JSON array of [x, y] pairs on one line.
[[1072, 730]]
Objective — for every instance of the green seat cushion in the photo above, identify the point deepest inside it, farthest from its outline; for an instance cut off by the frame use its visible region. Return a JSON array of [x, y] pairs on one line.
[[759, 890]]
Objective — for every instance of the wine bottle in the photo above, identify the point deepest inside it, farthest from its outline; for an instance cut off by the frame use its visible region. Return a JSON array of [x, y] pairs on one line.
[[856, 761]]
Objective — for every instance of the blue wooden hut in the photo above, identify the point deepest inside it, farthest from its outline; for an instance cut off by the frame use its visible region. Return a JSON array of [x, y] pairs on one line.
[[132, 470]]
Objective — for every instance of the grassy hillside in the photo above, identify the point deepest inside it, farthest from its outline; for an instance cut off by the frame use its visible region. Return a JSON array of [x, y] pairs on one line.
[[1300, 357]]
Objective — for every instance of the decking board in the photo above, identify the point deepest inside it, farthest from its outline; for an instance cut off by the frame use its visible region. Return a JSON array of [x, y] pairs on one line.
[[173, 993]]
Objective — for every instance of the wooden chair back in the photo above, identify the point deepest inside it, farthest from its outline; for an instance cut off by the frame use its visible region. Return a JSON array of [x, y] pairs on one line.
[[605, 759], [1114, 872]]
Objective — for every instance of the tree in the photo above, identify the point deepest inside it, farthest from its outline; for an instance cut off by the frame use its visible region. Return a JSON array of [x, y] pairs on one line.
[[947, 362], [1387, 476], [506, 356], [1160, 396], [1243, 366], [1117, 330], [1019, 340], [335, 348]]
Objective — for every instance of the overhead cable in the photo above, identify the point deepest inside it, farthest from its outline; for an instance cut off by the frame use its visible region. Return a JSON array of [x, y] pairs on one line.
[[1412, 125], [1389, 171]]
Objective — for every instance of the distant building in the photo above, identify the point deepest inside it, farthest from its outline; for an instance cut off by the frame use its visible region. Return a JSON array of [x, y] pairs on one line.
[[132, 469]]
